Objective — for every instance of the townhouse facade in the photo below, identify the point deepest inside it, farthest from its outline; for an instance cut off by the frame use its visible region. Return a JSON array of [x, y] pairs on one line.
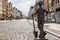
[[51, 5], [7, 10], [17, 13], [0, 9], [10, 10], [54, 7], [3, 9]]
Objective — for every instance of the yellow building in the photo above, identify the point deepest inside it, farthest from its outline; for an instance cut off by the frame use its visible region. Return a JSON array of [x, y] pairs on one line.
[[54, 7]]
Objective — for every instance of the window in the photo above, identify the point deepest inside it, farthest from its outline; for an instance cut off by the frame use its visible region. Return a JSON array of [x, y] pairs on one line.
[[54, 2], [5, 1], [57, 1]]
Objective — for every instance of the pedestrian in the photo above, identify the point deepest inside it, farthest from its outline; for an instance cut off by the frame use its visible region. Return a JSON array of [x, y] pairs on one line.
[[40, 13]]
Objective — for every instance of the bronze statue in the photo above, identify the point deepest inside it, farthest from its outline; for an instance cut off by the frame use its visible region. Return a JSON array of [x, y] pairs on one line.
[[40, 13]]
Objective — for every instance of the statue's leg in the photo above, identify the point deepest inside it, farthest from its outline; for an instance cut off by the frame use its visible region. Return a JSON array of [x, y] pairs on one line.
[[41, 29], [39, 24], [42, 32]]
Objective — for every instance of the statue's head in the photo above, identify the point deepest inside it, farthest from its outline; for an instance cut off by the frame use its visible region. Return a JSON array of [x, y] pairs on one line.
[[40, 3]]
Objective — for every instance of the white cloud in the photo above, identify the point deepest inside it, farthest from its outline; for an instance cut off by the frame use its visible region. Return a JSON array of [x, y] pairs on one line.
[[23, 5]]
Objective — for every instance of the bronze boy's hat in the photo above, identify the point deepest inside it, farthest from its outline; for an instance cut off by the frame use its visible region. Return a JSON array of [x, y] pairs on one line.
[[40, 3]]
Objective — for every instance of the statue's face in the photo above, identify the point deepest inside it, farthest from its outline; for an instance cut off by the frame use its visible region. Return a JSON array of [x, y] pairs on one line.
[[40, 4]]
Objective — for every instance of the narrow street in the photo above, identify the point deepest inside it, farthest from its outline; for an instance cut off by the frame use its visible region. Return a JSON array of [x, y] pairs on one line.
[[29, 19]]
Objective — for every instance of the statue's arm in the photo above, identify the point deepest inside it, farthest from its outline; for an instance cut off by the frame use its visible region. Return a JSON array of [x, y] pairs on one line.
[[46, 12]]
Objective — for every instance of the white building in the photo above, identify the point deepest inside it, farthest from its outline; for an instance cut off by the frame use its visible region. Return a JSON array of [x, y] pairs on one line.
[[32, 11], [17, 13]]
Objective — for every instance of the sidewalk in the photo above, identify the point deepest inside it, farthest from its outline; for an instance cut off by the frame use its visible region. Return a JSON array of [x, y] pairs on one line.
[[3, 21], [52, 28]]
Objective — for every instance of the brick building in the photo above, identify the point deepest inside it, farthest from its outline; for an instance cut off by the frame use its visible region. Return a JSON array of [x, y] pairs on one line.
[[5, 8], [54, 6]]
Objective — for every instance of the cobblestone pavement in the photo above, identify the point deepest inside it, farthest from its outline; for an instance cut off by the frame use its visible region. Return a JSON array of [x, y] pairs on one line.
[[21, 30], [16, 30], [52, 28], [51, 36]]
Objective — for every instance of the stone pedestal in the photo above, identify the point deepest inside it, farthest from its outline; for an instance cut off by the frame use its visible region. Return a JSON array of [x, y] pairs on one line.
[[41, 39]]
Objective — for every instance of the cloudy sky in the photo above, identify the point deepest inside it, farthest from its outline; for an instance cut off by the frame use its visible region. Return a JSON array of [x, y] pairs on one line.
[[23, 5]]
